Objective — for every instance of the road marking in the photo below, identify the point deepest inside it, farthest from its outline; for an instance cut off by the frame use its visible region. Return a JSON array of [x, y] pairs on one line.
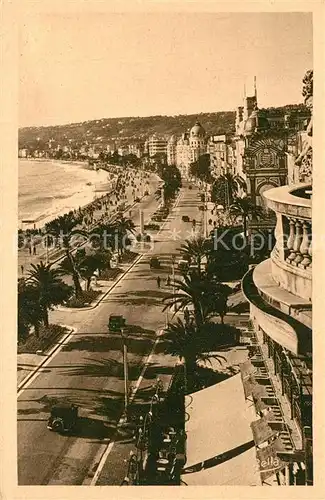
[[56, 349], [110, 446]]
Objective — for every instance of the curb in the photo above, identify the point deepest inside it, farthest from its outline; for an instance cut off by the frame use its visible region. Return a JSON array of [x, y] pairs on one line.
[[46, 356], [102, 297]]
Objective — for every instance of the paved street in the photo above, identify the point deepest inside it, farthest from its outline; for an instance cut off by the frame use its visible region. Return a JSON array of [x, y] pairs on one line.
[[88, 370]]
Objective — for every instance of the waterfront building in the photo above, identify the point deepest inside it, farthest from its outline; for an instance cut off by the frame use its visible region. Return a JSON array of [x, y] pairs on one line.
[[183, 154], [171, 150], [189, 147], [261, 146], [156, 145], [221, 154], [279, 374]]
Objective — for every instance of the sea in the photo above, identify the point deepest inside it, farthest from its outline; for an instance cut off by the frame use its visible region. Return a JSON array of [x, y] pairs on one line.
[[47, 189]]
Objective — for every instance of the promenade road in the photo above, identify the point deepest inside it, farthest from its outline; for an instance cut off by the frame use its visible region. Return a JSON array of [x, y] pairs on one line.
[[88, 370]]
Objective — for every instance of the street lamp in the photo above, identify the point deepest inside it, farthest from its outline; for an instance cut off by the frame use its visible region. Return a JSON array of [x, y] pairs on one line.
[[173, 276], [126, 370]]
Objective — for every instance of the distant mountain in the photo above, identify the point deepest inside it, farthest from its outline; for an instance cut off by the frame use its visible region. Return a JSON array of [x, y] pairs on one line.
[[127, 129]]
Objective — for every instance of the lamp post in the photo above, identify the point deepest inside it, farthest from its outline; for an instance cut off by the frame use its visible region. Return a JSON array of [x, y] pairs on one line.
[[126, 370], [173, 276]]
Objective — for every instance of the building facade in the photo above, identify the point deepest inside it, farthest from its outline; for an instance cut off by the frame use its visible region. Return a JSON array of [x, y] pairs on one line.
[[221, 154], [157, 145], [187, 148], [279, 291]]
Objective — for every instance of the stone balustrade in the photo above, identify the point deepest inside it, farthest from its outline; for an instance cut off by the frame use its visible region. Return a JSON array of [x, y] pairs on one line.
[[292, 254]]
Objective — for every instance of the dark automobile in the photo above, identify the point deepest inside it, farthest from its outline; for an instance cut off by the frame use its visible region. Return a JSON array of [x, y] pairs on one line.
[[115, 323], [63, 418], [157, 218], [154, 263], [185, 218]]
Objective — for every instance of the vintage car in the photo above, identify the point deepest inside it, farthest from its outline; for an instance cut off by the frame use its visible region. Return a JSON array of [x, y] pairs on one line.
[[115, 323], [185, 218], [63, 418], [154, 263]]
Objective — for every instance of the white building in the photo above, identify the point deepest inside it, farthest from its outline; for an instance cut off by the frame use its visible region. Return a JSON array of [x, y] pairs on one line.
[[171, 150], [157, 145], [190, 147]]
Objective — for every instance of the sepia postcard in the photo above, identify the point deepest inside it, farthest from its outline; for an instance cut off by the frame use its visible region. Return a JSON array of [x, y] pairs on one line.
[[162, 184]]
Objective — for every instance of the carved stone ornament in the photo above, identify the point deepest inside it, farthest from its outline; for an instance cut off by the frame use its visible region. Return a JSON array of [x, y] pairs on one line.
[[305, 158]]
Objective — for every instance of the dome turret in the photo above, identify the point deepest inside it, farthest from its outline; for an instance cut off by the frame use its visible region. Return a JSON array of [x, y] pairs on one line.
[[256, 122], [197, 130]]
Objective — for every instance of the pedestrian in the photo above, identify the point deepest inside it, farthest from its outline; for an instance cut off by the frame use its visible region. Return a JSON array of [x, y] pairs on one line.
[[186, 315], [22, 269], [30, 250], [158, 281], [34, 250], [168, 281]]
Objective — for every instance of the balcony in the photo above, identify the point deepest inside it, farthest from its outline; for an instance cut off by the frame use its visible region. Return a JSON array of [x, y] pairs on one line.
[[291, 258]]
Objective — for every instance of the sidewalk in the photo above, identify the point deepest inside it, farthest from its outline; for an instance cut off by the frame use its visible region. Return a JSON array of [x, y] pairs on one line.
[[115, 466]]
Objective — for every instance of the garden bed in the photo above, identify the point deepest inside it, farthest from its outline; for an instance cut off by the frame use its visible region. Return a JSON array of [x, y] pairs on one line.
[[85, 299], [110, 274], [47, 338]]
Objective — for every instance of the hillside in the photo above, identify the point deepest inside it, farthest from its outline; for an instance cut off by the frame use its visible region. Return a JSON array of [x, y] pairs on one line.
[[128, 129]]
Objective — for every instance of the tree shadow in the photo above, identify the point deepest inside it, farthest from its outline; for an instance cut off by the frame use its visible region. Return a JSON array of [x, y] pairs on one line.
[[108, 343]]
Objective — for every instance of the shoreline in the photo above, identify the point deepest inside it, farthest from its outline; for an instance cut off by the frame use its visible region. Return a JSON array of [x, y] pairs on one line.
[[90, 191]]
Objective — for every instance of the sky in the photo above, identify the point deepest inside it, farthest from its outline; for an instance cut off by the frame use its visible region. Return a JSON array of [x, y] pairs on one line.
[[74, 67]]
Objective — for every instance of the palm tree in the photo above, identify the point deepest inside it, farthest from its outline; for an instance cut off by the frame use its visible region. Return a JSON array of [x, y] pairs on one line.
[[123, 226], [227, 187], [182, 340], [245, 208], [51, 290], [29, 309], [90, 263], [64, 230], [207, 296], [195, 249]]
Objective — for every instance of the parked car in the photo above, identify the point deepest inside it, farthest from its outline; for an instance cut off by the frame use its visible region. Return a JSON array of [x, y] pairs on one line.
[[152, 227], [185, 218], [137, 199], [115, 323], [157, 218], [154, 263], [63, 418]]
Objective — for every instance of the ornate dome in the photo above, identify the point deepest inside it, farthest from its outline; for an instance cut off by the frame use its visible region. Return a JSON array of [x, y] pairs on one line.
[[197, 130]]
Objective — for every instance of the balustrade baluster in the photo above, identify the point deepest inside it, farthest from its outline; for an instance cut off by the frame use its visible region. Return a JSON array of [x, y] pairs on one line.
[[297, 242], [310, 252], [291, 239], [306, 242]]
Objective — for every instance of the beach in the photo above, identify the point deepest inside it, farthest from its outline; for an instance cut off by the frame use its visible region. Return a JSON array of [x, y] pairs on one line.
[[49, 188]]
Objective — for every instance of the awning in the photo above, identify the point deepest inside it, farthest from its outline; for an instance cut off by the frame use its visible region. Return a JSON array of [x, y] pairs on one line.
[[246, 369], [262, 431], [259, 404], [269, 462], [253, 388], [220, 447]]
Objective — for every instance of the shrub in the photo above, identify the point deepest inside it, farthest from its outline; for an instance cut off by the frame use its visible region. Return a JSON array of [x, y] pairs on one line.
[[47, 337], [86, 298]]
